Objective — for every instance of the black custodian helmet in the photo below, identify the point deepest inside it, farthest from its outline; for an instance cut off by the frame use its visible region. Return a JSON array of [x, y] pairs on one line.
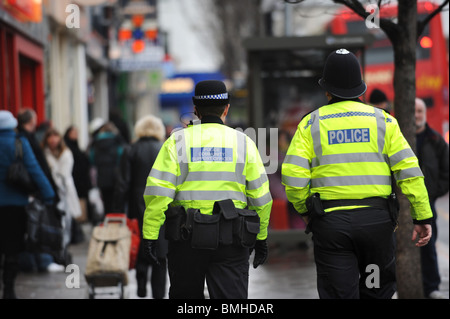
[[342, 75]]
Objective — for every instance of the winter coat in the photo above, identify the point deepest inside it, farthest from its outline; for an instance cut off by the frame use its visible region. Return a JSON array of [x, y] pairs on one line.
[[8, 195], [81, 167], [135, 165], [61, 169], [105, 155], [432, 152]]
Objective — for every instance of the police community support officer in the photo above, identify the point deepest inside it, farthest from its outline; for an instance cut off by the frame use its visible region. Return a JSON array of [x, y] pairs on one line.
[[344, 152], [196, 167]]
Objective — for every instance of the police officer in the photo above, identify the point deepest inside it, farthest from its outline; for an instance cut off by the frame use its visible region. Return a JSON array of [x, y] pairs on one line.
[[198, 167], [337, 174]]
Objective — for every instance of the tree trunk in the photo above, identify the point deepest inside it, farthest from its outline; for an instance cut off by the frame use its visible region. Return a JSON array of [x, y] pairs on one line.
[[409, 276]]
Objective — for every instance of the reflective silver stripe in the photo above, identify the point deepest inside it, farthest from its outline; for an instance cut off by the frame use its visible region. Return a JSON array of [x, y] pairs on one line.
[[260, 201], [159, 191], [295, 181], [351, 180], [381, 128], [257, 183], [297, 160], [315, 133], [211, 176], [210, 195], [180, 143], [408, 173], [348, 158], [164, 176], [400, 156], [241, 151]]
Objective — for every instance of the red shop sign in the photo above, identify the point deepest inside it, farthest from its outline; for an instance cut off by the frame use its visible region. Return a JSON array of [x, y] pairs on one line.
[[24, 10]]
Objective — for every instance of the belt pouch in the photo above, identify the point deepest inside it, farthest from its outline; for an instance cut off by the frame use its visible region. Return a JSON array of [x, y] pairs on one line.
[[175, 218], [228, 214], [247, 228], [205, 231]]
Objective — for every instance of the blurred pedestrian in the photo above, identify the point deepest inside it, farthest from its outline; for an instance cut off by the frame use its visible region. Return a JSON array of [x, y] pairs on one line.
[[432, 152], [27, 120], [80, 172], [337, 173], [379, 99], [136, 163], [60, 160], [104, 154], [13, 201]]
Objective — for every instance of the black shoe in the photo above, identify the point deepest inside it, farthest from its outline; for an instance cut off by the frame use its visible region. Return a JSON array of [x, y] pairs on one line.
[[142, 291]]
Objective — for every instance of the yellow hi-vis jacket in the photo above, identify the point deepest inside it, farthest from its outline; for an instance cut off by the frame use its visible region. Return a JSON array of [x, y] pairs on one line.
[[346, 150], [200, 165]]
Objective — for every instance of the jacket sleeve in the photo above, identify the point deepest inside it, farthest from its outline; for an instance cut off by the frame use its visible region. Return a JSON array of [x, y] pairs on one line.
[[257, 188], [36, 173], [443, 183], [160, 189], [296, 168], [408, 175]]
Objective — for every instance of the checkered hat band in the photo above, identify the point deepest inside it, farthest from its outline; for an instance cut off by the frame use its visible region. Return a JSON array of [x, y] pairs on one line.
[[222, 96]]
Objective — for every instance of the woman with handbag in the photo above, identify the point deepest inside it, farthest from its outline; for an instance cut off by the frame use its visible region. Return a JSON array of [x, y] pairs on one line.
[[13, 200]]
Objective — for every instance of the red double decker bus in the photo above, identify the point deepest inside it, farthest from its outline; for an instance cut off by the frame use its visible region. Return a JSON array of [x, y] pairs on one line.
[[432, 75]]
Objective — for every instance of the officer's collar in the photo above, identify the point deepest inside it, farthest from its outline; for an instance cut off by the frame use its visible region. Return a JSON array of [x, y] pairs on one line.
[[336, 99], [209, 119]]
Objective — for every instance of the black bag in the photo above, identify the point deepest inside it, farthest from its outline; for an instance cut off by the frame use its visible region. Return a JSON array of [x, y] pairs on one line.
[[44, 228], [205, 231], [17, 175]]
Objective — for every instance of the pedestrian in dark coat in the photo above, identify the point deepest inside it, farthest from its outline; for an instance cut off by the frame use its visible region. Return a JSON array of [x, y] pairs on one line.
[[81, 169], [432, 152], [13, 201], [104, 155], [135, 166]]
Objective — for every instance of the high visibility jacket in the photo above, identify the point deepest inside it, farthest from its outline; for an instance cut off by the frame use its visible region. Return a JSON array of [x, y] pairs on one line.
[[201, 164], [346, 150]]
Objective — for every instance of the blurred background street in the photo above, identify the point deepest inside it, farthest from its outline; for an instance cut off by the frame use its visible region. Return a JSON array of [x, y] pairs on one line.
[[86, 71]]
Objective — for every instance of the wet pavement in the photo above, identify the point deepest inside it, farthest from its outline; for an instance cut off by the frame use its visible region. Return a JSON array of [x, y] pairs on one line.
[[289, 273]]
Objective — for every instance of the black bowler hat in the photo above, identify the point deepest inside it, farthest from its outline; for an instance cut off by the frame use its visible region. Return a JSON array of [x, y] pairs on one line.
[[342, 75], [211, 93]]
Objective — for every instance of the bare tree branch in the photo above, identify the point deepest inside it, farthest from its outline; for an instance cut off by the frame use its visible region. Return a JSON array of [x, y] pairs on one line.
[[422, 24], [386, 25]]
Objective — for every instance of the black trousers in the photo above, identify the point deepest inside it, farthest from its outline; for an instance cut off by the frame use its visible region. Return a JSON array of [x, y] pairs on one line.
[[429, 259], [355, 254], [225, 270]]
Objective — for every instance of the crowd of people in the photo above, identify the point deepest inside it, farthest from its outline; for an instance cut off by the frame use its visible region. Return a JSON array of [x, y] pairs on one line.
[[83, 184]]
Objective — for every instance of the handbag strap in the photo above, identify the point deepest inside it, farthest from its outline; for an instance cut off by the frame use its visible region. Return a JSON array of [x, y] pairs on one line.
[[19, 150]]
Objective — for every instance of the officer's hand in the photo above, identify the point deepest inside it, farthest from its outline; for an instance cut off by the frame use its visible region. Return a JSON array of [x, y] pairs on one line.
[[424, 232], [261, 251], [150, 250]]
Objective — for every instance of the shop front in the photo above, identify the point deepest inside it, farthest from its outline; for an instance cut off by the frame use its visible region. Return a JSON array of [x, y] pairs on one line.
[[21, 57]]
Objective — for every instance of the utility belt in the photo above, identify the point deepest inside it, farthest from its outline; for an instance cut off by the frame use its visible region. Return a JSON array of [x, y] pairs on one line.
[[227, 225], [316, 207]]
